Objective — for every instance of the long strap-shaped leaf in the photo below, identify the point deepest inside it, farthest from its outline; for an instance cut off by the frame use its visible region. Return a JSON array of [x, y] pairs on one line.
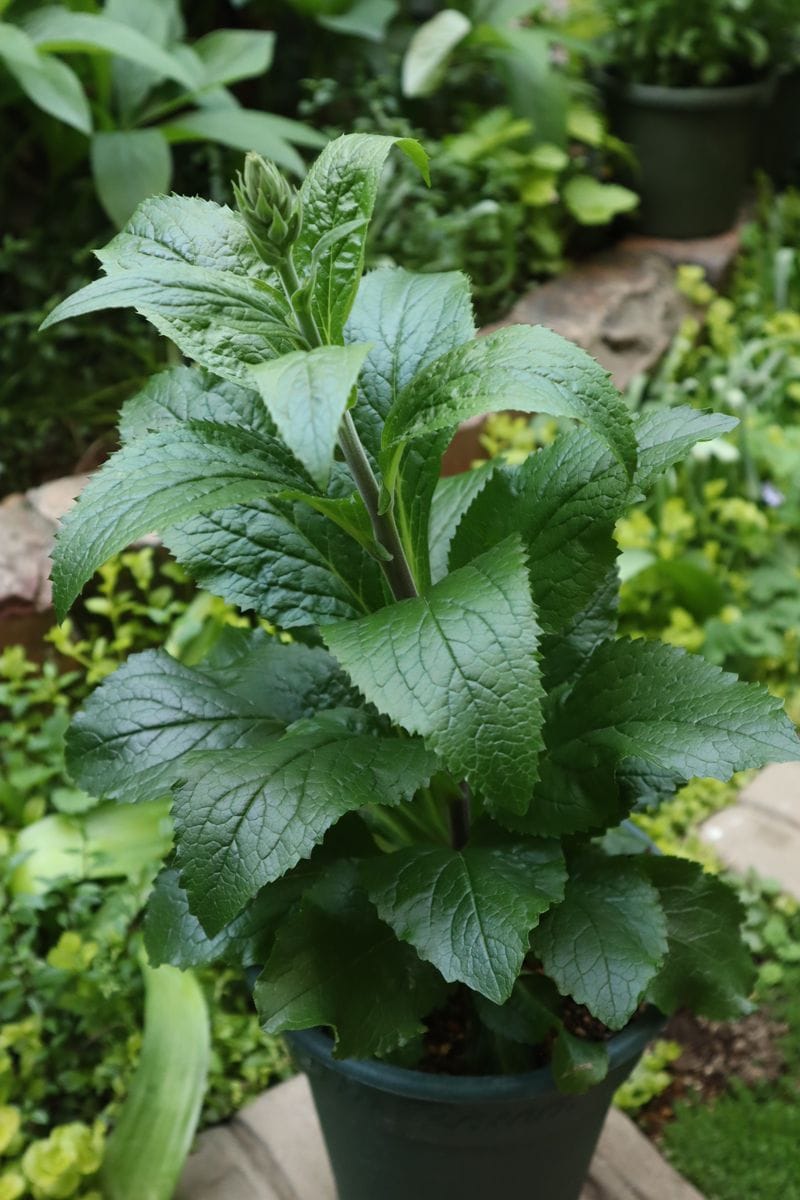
[[152, 1138]]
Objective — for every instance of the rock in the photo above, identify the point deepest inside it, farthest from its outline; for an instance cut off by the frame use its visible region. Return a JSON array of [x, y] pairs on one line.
[[52, 500], [761, 831], [622, 307], [26, 538], [715, 254]]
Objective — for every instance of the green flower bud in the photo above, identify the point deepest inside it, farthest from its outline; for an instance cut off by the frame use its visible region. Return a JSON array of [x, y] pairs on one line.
[[271, 208]]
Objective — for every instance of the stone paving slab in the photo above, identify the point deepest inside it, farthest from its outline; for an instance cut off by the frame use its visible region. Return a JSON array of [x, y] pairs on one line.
[[761, 831], [273, 1150]]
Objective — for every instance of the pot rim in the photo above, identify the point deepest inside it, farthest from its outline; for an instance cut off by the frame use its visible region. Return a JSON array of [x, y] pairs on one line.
[[466, 1089], [652, 95]]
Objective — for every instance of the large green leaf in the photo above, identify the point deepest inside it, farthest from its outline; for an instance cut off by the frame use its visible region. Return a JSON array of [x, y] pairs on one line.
[[563, 501], [708, 968], [279, 559], [674, 711], [341, 188], [240, 128], [246, 816], [129, 165], [165, 1096], [306, 394], [182, 394], [57, 29], [228, 55], [458, 666], [128, 741], [224, 321], [469, 912], [335, 963], [49, 83], [524, 367], [155, 482], [452, 497], [566, 653], [665, 436], [606, 940], [364, 18], [408, 321], [429, 49]]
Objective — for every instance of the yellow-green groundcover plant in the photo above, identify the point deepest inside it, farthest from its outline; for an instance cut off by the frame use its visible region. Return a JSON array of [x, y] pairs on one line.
[[408, 799]]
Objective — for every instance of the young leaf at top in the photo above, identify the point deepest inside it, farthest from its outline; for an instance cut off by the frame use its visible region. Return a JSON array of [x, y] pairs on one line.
[[129, 739], [532, 369], [159, 480], [306, 394], [408, 321], [469, 912], [335, 963], [246, 816], [459, 667], [708, 968], [606, 940], [340, 189]]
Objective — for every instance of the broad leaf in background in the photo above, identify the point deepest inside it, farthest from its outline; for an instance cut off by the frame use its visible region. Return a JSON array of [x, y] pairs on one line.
[[159, 480], [708, 968], [429, 49], [458, 666], [129, 165], [408, 321], [306, 394], [229, 55], [606, 940], [246, 816], [245, 130], [335, 963], [128, 741], [50, 84], [469, 912], [594, 203], [364, 18], [673, 710], [340, 188], [525, 367]]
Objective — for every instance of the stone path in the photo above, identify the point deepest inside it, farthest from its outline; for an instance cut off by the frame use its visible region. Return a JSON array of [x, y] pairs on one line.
[[273, 1150], [761, 831]]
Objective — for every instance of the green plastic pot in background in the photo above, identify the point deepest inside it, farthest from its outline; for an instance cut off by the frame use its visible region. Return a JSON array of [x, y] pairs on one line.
[[780, 140], [696, 150], [396, 1134]]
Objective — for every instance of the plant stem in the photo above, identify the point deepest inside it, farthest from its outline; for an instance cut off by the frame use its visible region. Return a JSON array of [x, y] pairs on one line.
[[460, 816], [396, 568]]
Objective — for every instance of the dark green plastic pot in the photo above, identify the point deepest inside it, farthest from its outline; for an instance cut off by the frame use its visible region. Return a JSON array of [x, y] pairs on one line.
[[696, 151], [780, 141], [395, 1134]]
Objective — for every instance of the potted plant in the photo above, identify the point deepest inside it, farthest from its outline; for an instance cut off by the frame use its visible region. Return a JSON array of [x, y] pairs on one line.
[[687, 90], [399, 817]]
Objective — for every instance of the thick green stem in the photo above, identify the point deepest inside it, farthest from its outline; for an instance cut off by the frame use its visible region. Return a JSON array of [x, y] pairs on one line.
[[396, 568]]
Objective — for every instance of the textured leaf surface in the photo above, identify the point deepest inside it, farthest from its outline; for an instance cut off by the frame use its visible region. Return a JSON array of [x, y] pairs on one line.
[[306, 394], [158, 481], [223, 321], [341, 187], [408, 321], [281, 560], [128, 741], [469, 912], [563, 501], [183, 394], [666, 435], [335, 963], [525, 367], [606, 940], [247, 816], [708, 969], [675, 711], [458, 666]]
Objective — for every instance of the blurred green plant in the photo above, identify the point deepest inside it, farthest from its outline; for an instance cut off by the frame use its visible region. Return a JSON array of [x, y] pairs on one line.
[[143, 89], [649, 1078]]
